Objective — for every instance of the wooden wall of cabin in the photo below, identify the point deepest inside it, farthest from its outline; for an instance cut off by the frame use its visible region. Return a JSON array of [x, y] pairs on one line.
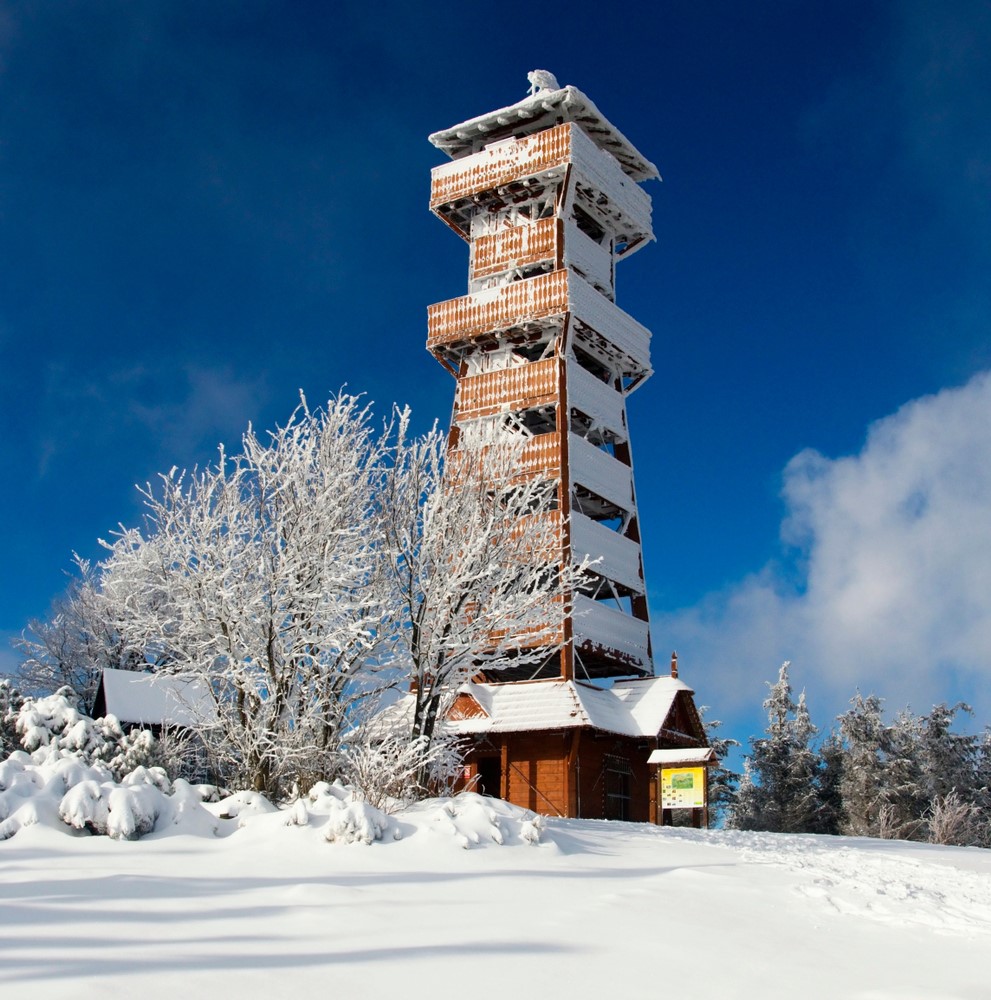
[[613, 778], [571, 773]]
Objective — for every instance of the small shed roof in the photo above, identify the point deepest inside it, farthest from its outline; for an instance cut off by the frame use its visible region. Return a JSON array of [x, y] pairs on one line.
[[155, 699], [540, 111], [703, 755]]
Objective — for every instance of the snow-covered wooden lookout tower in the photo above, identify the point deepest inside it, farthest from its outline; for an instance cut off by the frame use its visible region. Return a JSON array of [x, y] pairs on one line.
[[547, 194]]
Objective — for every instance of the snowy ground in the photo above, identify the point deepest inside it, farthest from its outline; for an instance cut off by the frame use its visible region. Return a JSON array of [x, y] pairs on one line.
[[594, 909]]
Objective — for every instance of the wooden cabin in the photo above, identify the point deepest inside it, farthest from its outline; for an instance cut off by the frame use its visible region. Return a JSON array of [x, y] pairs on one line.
[[567, 748]]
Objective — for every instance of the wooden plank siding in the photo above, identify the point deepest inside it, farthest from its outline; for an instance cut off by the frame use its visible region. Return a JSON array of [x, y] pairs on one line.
[[536, 778], [564, 773], [517, 246], [540, 456], [518, 388], [504, 163], [470, 316]]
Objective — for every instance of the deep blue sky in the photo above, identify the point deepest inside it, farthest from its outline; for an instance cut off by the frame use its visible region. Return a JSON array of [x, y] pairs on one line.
[[205, 207]]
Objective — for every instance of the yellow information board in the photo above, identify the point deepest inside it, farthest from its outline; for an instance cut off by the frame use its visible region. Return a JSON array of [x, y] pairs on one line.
[[682, 787]]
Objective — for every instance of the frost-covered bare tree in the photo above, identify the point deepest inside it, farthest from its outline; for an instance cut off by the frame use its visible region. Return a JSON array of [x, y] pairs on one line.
[[300, 577], [473, 547], [79, 639], [264, 577]]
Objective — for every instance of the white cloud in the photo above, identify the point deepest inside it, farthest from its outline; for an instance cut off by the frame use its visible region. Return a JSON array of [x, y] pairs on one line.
[[884, 582]]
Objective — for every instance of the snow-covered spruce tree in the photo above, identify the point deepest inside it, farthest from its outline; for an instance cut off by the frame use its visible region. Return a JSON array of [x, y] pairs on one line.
[[864, 780], [722, 781], [947, 759], [912, 779], [982, 789], [831, 815], [263, 576], [779, 791], [11, 701], [473, 549], [904, 785], [933, 781]]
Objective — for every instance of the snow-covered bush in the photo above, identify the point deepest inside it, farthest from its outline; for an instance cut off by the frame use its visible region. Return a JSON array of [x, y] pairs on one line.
[[54, 724], [951, 820], [473, 820], [388, 772], [354, 821]]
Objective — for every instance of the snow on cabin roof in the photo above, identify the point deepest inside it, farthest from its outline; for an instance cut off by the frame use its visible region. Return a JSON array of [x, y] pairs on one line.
[[156, 699], [540, 111], [629, 708]]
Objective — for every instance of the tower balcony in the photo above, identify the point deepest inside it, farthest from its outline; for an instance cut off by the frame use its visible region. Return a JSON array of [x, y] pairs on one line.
[[539, 457], [600, 473], [516, 247], [618, 557], [609, 640], [516, 170], [517, 251], [604, 407], [534, 304]]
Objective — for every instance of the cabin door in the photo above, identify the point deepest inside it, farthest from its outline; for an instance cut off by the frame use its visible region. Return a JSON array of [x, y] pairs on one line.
[[617, 780], [489, 776]]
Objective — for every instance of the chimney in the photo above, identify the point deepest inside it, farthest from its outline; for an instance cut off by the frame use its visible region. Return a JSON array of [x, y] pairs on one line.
[[674, 665]]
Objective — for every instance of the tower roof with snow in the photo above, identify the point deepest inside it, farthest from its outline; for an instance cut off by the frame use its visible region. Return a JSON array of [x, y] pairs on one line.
[[540, 111]]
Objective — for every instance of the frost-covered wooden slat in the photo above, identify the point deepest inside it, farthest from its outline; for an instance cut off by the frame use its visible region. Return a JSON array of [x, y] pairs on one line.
[[599, 472], [519, 388], [609, 331], [514, 247], [542, 456], [601, 630], [601, 403], [593, 261], [619, 557]]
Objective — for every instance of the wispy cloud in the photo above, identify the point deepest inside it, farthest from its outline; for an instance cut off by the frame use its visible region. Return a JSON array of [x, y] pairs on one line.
[[884, 579], [170, 414]]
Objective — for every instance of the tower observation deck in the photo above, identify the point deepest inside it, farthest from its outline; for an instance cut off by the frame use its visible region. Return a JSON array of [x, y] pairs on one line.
[[547, 195]]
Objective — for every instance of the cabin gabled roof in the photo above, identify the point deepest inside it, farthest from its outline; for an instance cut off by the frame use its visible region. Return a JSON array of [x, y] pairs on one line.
[[639, 708]]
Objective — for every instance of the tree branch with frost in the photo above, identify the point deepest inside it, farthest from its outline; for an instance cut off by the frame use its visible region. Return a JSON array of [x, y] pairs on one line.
[[475, 551]]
